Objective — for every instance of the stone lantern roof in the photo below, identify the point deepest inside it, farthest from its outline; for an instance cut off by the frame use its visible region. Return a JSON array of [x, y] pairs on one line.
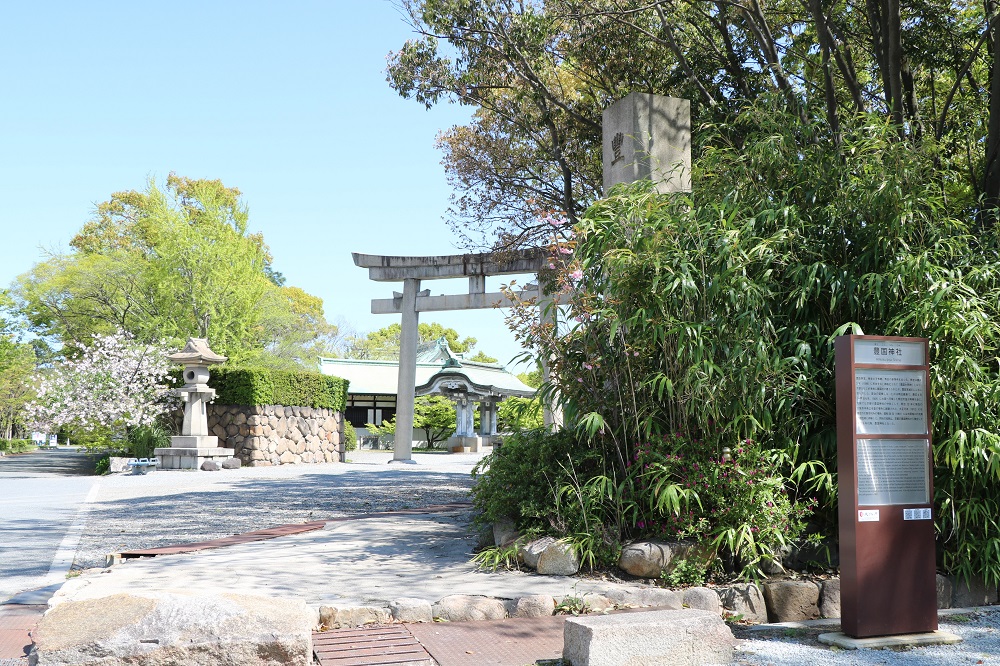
[[196, 352]]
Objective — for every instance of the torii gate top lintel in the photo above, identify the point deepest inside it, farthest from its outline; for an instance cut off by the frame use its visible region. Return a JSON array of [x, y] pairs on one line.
[[396, 269]]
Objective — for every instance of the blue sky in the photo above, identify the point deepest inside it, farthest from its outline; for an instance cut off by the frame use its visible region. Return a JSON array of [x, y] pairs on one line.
[[286, 101]]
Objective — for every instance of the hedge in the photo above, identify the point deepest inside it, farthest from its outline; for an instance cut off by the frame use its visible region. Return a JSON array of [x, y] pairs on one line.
[[261, 386], [16, 445]]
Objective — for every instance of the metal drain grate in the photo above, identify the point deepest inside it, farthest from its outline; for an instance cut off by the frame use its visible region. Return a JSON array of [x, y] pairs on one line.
[[369, 646]]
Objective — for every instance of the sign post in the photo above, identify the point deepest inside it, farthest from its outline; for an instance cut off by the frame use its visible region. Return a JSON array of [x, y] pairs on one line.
[[885, 464]]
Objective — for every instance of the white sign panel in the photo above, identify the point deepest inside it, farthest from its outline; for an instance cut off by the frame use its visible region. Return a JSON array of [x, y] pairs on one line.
[[888, 353], [868, 515], [893, 471], [890, 402]]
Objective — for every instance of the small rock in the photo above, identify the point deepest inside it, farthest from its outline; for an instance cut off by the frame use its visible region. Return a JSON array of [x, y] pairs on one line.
[[535, 605], [231, 463], [409, 609], [598, 603], [745, 600], [792, 600], [333, 617], [829, 598], [558, 559], [650, 559], [465, 608], [531, 551], [210, 466], [703, 598]]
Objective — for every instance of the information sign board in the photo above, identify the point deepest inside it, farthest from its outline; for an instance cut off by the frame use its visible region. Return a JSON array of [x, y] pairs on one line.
[[885, 467]]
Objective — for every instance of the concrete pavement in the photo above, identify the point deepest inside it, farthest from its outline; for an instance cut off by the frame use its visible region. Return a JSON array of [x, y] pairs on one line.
[[44, 499]]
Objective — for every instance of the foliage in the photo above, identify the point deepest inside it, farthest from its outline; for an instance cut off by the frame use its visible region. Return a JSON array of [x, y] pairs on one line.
[[263, 386], [350, 437], [522, 480], [116, 383], [498, 557], [539, 74], [685, 572], [435, 416], [171, 264], [383, 344], [16, 445], [714, 314], [17, 365], [103, 465], [517, 413], [143, 439], [386, 431]]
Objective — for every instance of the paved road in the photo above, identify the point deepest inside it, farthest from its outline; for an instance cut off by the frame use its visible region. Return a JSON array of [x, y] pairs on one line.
[[40, 494]]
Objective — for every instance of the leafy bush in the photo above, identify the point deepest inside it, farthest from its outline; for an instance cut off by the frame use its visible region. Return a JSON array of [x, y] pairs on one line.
[[263, 386], [143, 440], [103, 465], [522, 480], [16, 445], [714, 315], [350, 437], [91, 439]]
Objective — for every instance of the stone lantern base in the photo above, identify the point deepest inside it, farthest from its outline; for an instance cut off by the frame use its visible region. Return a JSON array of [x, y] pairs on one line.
[[190, 451], [473, 444]]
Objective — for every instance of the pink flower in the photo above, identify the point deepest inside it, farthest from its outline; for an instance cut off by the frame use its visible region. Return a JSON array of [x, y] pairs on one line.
[[576, 275]]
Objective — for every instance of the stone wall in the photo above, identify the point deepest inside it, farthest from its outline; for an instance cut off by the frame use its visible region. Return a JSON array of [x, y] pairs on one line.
[[276, 435]]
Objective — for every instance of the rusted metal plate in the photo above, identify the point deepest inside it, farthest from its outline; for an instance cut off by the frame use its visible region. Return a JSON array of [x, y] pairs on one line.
[[510, 642], [248, 537], [376, 645]]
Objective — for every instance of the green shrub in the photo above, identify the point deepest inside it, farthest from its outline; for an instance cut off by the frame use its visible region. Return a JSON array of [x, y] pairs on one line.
[[262, 386], [103, 465], [143, 440], [350, 437], [16, 445], [522, 480], [95, 439]]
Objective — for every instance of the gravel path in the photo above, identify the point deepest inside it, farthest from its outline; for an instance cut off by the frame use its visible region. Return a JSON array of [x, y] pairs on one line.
[[165, 508], [980, 632]]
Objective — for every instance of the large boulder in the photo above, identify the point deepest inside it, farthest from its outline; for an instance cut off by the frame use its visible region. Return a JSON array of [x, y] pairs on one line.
[[792, 600], [531, 551], [651, 559], [159, 629], [703, 598], [829, 598], [558, 559], [505, 533], [944, 591], [746, 601], [466, 608], [668, 637]]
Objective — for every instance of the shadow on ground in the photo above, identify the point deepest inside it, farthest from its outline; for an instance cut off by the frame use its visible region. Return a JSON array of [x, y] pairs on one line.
[[48, 462]]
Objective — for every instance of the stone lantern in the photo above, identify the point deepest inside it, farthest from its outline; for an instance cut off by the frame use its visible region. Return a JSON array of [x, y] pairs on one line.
[[194, 445]]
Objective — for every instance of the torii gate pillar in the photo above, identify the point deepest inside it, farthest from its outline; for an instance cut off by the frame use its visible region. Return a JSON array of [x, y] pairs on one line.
[[410, 271]]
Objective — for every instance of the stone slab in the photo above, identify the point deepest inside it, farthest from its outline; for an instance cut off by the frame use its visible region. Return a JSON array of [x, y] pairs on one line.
[[846, 642], [158, 629], [670, 637]]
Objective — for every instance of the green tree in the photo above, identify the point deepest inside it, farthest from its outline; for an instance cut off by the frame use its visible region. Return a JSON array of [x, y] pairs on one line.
[[435, 416], [539, 74], [384, 343], [17, 365], [169, 264]]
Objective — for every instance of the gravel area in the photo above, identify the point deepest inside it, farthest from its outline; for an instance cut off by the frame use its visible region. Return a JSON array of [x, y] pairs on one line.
[[165, 508], [980, 632]]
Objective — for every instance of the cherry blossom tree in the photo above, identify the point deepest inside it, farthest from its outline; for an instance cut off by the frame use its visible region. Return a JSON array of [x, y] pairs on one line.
[[116, 383]]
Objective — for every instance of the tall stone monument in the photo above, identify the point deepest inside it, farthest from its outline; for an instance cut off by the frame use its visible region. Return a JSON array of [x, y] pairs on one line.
[[648, 136], [194, 445]]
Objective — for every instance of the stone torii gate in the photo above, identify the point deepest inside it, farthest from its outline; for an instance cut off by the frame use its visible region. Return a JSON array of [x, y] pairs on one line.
[[644, 136], [411, 271]]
